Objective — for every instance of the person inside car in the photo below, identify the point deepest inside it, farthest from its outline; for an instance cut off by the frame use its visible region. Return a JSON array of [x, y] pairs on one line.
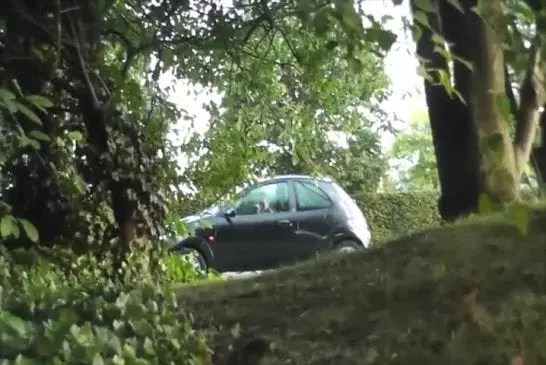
[[263, 207]]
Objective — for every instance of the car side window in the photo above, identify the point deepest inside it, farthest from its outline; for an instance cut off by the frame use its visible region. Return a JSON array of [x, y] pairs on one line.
[[311, 197], [270, 198]]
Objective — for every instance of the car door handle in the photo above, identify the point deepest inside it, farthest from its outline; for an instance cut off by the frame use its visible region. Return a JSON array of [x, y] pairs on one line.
[[286, 223]]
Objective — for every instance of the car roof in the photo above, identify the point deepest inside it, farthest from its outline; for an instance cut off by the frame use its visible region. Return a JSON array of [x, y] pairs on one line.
[[296, 177]]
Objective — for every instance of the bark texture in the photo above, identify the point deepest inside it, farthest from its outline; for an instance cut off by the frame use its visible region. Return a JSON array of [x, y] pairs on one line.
[[487, 91], [453, 132], [474, 149]]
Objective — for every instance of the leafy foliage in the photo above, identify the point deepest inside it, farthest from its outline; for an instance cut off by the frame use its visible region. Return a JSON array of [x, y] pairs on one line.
[[391, 215], [284, 97], [412, 157], [64, 310]]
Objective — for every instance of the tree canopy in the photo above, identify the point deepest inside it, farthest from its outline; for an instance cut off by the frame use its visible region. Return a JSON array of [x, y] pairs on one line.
[[279, 115]]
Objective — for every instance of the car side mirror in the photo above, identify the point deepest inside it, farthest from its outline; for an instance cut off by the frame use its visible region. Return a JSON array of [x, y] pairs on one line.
[[229, 213]]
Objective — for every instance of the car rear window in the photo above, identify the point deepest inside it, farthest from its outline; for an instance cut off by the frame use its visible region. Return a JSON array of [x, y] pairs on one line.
[[347, 203]]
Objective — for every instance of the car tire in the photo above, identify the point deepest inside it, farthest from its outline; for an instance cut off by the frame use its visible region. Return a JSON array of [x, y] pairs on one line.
[[347, 246], [196, 259]]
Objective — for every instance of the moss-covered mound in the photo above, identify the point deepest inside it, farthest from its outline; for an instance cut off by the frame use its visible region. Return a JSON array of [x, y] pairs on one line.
[[471, 293]]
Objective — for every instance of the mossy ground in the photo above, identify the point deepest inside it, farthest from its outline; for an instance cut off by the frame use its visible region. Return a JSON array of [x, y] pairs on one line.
[[401, 303]]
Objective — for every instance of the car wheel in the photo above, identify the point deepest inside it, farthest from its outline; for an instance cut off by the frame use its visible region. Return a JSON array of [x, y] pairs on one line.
[[347, 246], [196, 259]]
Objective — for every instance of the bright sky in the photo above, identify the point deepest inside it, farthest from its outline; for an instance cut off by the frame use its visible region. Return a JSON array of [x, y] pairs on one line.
[[400, 65]]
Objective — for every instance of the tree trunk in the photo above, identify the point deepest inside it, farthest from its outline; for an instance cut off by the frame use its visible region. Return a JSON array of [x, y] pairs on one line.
[[99, 113], [453, 133], [528, 114], [539, 153], [501, 179]]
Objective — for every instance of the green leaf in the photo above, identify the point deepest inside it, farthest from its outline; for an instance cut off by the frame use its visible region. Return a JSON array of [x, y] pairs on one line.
[[6, 95], [382, 37], [6, 226], [15, 230], [28, 113], [321, 22], [466, 63], [149, 346], [75, 136], [520, 217], [437, 39], [97, 359], [39, 101], [30, 230], [60, 142], [12, 107], [485, 206], [14, 323], [25, 141], [422, 18], [445, 81], [425, 5], [456, 4], [39, 135], [355, 64], [17, 87]]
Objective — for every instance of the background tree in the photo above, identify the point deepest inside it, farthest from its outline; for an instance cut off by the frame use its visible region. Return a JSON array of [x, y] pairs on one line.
[[412, 156], [282, 110], [493, 45]]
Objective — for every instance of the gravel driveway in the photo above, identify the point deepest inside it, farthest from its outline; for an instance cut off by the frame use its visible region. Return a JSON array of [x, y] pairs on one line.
[[241, 274]]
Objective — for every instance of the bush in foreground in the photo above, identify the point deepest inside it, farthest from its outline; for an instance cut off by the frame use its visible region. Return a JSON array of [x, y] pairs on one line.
[[53, 314]]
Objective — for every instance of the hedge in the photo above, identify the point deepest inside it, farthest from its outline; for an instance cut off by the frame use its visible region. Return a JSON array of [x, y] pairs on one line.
[[394, 214]]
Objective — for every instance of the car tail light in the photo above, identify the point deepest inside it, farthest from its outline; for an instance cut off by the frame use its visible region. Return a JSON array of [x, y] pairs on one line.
[[211, 236]]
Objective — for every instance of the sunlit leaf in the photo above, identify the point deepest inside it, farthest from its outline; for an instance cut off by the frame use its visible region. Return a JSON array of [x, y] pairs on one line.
[[30, 230], [422, 18], [6, 226], [6, 95], [456, 4], [75, 136], [28, 113]]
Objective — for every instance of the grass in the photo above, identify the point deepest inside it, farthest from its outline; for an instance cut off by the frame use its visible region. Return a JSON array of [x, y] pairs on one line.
[[408, 302]]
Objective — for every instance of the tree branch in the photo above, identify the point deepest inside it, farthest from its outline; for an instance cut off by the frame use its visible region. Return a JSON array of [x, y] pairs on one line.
[[130, 49], [532, 97]]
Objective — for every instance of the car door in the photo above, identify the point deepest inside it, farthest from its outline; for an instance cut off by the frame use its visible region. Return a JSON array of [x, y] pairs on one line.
[[250, 240], [313, 218]]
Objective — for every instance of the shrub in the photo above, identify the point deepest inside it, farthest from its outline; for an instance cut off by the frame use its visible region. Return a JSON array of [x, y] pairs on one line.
[[55, 313], [394, 214]]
